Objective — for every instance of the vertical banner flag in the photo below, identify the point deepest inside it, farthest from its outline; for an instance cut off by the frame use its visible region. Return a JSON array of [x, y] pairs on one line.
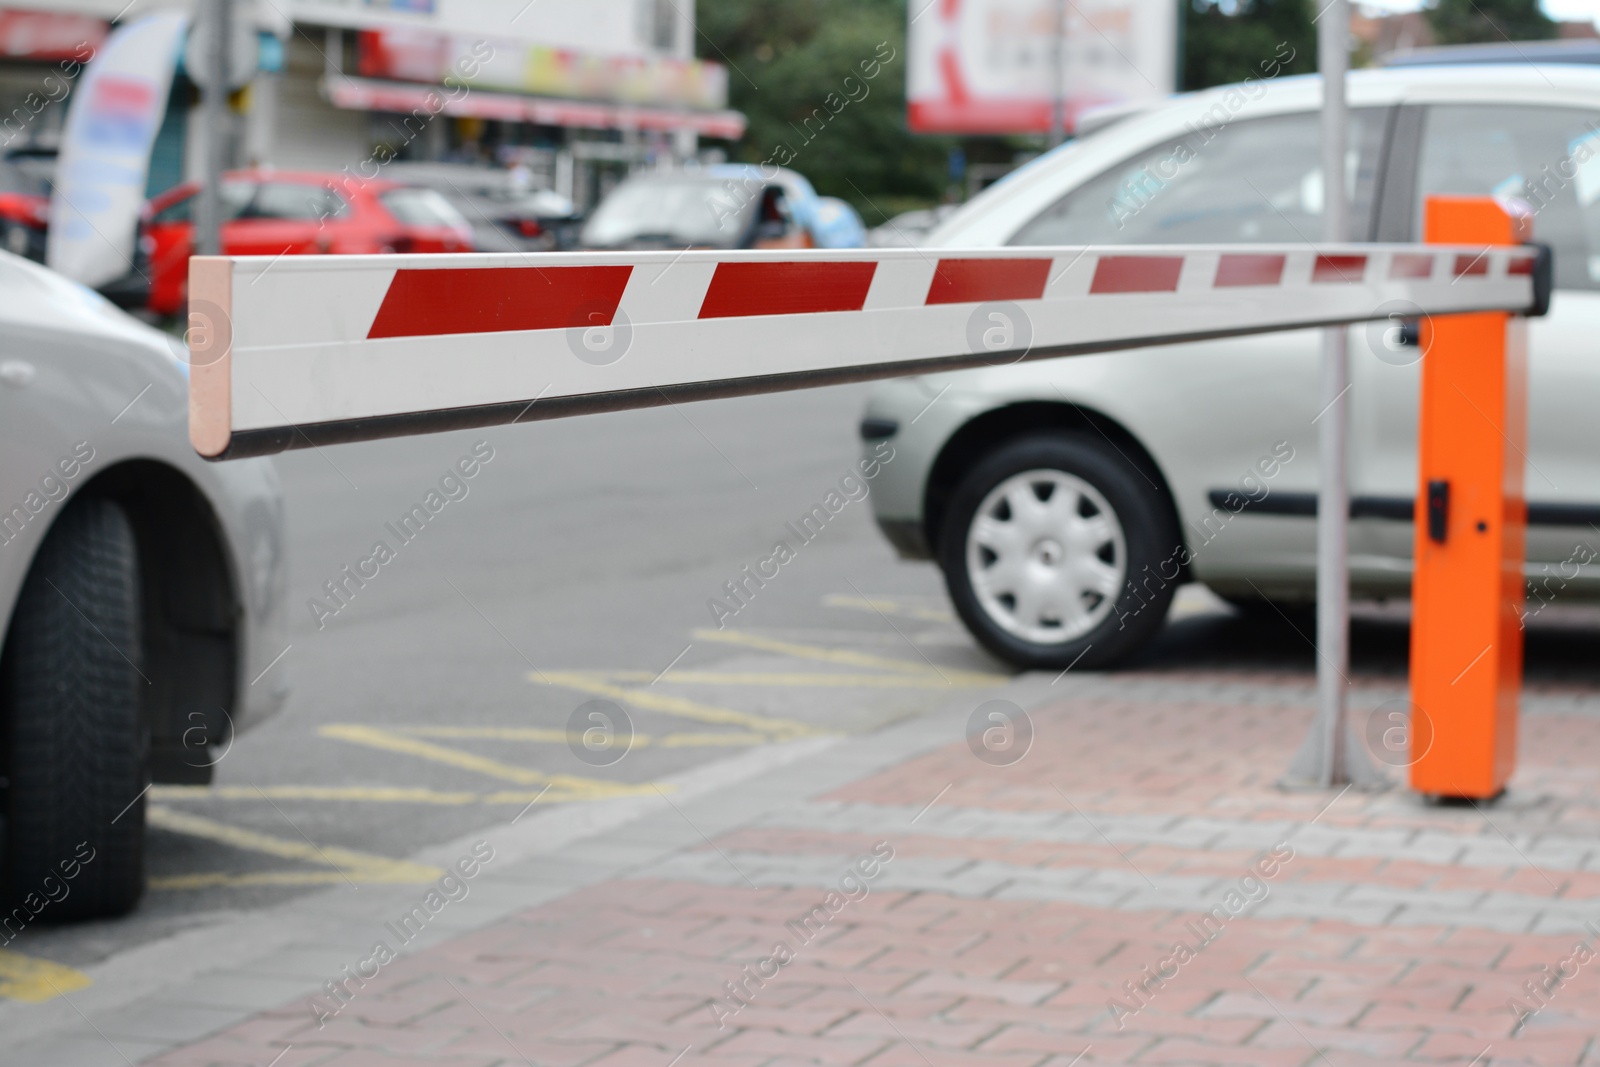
[[104, 161], [989, 66]]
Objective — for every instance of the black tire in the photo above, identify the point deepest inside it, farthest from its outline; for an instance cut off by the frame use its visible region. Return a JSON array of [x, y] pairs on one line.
[[76, 746], [1150, 553]]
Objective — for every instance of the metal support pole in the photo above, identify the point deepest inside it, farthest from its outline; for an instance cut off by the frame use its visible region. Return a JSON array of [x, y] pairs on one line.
[[1058, 75], [214, 119], [1327, 757]]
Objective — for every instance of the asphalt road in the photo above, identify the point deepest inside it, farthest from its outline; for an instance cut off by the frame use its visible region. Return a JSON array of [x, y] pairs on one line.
[[578, 567]]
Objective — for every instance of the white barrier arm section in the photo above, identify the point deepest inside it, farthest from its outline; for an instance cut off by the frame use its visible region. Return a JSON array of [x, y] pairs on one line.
[[300, 350]]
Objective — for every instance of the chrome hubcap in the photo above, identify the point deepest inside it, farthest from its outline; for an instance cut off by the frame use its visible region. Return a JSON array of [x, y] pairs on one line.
[[1047, 556]]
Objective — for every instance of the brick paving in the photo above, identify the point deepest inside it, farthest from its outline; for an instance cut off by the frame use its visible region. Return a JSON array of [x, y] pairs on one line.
[[1030, 917]]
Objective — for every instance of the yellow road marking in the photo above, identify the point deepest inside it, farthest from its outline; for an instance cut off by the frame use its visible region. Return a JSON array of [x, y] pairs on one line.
[[888, 607], [688, 709], [363, 865], [544, 736], [389, 741], [35, 981], [795, 679], [213, 880], [853, 659], [352, 793], [375, 794]]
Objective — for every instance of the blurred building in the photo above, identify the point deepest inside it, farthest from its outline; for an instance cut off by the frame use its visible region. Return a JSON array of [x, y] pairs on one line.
[[1379, 35], [576, 91]]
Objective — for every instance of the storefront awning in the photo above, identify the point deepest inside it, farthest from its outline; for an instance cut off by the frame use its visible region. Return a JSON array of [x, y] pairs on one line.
[[366, 94]]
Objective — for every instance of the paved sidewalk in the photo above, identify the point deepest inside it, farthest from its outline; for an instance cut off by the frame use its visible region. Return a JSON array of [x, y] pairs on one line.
[[1133, 889]]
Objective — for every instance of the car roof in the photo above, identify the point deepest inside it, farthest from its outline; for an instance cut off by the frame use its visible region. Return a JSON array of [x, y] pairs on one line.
[[1571, 51], [1569, 85], [344, 183], [748, 172]]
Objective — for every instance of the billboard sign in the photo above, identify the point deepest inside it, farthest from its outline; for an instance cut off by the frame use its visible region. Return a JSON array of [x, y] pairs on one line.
[[989, 66], [424, 56]]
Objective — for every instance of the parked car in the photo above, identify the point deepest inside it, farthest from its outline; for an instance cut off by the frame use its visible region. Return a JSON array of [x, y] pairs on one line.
[[1586, 51], [1067, 499], [909, 228], [729, 205], [142, 591], [27, 175], [504, 210], [24, 212], [270, 213]]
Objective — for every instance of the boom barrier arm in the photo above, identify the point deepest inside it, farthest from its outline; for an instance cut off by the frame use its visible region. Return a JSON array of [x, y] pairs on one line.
[[296, 351]]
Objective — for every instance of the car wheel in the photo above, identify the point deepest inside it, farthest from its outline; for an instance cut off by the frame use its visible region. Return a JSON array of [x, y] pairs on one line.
[[76, 746], [1054, 550]]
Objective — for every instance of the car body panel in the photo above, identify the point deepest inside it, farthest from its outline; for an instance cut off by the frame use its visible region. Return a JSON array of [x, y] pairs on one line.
[[362, 226], [1207, 412], [79, 378]]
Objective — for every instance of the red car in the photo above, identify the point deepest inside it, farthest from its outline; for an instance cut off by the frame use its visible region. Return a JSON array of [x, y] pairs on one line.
[[270, 213], [24, 212]]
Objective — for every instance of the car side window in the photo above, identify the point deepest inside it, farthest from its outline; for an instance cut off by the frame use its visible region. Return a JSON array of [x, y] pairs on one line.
[[235, 196], [1546, 157], [294, 201], [1246, 180]]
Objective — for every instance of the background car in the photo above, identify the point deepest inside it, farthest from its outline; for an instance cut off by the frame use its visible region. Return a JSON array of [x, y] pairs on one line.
[[729, 205], [270, 213], [24, 212], [141, 588], [505, 212], [1066, 499], [909, 228]]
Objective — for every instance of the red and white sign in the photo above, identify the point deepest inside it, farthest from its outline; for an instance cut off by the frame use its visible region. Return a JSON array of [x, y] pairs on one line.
[[300, 350], [989, 66]]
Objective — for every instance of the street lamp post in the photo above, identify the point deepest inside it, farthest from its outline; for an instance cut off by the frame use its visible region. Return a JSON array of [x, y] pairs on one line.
[[1058, 77], [217, 16], [1328, 758]]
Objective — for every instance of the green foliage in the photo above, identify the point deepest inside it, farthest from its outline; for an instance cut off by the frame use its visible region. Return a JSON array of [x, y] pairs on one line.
[[1246, 39], [788, 61], [1489, 21]]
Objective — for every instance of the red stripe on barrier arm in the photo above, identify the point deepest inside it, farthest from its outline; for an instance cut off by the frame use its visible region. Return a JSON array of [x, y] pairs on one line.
[[1410, 265], [741, 289], [429, 302], [973, 281], [1339, 269], [1137, 274], [1520, 265], [1242, 269], [1472, 266]]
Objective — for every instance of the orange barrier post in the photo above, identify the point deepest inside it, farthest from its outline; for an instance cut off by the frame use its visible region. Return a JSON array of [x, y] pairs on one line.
[[1467, 586]]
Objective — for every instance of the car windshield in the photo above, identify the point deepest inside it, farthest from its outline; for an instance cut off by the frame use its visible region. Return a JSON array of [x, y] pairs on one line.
[[421, 207], [691, 211]]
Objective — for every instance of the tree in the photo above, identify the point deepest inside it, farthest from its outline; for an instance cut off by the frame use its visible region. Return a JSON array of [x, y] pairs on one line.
[[799, 70], [1489, 21], [1232, 40]]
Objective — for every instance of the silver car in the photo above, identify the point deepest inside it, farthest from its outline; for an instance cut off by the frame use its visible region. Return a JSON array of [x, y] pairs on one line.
[[143, 593], [1067, 499]]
